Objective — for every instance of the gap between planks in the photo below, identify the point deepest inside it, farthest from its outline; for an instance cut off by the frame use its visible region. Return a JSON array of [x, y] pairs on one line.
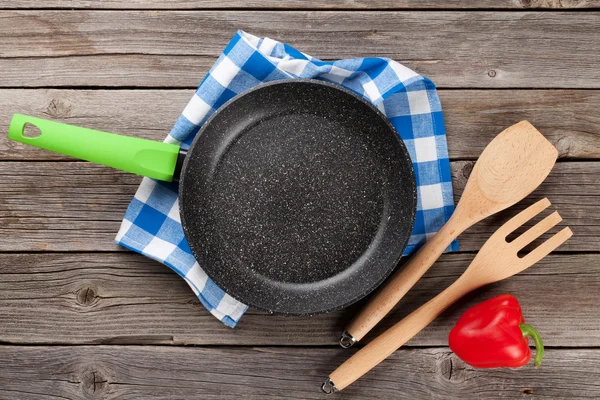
[[307, 5]]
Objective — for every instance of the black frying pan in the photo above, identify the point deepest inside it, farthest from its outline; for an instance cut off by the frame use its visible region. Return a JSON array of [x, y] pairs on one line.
[[296, 197]]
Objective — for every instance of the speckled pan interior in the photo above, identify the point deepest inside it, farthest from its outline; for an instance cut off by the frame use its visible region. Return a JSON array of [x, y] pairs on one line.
[[298, 197]]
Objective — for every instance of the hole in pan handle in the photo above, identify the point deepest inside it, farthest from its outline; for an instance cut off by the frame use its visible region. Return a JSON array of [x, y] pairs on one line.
[[144, 157]]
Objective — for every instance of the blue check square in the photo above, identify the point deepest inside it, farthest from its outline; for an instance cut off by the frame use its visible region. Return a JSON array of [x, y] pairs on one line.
[[150, 220], [258, 66]]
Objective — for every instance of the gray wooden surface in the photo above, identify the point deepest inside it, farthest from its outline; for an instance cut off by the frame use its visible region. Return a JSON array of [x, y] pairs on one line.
[[82, 318], [457, 49], [172, 372]]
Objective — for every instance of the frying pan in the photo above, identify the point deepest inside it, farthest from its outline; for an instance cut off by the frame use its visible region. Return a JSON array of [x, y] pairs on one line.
[[296, 197]]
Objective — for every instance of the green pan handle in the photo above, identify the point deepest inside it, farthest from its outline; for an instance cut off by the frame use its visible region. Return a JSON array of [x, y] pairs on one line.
[[155, 160]]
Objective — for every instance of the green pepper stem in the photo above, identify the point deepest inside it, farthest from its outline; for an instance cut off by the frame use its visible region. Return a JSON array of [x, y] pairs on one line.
[[530, 331]]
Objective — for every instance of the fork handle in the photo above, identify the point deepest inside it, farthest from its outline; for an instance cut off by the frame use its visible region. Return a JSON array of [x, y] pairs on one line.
[[392, 339], [397, 286]]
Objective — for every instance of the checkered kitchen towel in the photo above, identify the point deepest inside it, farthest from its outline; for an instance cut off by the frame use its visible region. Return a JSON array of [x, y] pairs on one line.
[[152, 225]]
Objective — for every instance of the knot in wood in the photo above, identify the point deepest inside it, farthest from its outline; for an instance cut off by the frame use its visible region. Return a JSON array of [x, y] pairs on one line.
[[452, 368], [551, 3], [58, 108], [94, 383], [86, 296], [467, 169], [492, 73], [564, 145], [526, 391]]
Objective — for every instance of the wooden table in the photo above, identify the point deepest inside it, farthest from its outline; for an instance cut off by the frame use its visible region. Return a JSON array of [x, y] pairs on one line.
[[82, 317]]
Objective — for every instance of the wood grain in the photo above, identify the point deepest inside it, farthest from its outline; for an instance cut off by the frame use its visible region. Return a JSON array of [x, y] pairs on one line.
[[78, 206], [133, 372], [175, 48], [309, 4], [568, 118], [124, 298]]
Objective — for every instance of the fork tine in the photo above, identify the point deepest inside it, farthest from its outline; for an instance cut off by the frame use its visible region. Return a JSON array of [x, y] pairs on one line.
[[524, 216], [547, 247], [537, 230]]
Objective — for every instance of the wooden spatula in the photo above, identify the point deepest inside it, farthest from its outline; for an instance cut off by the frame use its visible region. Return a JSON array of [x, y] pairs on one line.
[[509, 168], [496, 260]]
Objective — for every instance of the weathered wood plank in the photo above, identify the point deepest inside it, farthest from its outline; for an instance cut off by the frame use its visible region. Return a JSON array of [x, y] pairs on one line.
[[105, 70], [124, 298], [524, 49], [310, 4], [569, 118], [92, 199], [133, 372], [566, 117], [66, 206], [570, 189]]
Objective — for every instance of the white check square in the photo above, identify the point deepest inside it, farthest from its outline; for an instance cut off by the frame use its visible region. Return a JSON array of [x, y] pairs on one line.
[[197, 277], [196, 110], [230, 306], [295, 67], [225, 72], [371, 90], [431, 196], [145, 189], [267, 46], [337, 74], [418, 102], [425, 149], [159, 249], [174, 212], [125, 225], [402, 72]]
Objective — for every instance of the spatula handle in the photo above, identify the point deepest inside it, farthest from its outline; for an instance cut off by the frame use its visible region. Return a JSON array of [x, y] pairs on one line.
[[395, 337], [396, 287]]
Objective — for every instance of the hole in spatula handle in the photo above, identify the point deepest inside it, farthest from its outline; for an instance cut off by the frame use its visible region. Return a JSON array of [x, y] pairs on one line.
[[31, 131]]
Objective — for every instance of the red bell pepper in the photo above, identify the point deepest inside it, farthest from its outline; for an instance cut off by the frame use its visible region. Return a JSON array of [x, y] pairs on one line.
[[494, 334]]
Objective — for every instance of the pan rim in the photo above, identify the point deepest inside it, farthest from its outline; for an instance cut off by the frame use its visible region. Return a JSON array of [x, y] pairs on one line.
[[411, 193]]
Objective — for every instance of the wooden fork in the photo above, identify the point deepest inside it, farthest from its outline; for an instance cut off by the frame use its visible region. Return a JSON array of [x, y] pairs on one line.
[[496, 260]]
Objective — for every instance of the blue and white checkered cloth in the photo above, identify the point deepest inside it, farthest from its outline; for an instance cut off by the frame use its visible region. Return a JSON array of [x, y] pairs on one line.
[[152, 226]]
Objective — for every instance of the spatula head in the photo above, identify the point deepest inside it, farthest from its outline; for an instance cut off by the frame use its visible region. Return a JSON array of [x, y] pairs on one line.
[[511, 166]]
